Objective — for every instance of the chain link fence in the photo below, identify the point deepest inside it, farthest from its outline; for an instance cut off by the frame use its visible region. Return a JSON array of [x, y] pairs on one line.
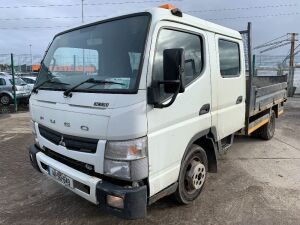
[[22, 63]]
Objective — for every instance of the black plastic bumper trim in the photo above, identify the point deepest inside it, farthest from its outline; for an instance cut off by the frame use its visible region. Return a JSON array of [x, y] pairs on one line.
[[135, 200], [33, 150]]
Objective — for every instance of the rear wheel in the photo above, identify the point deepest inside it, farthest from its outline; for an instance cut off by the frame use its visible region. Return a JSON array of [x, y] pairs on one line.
[[5, 99], [192, 175], [267, 131]]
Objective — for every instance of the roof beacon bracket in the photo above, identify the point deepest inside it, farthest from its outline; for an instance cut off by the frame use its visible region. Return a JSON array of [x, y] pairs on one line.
[[175, 11]]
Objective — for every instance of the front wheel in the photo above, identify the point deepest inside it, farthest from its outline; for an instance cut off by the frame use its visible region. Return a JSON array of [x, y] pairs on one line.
[[5, 100], [192, 175]]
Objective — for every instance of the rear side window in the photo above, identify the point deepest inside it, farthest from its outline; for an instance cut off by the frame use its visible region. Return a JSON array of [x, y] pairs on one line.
[[229, 55], [2, 81]]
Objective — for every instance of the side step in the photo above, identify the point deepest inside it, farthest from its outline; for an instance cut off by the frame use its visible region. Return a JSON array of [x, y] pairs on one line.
[[227, 142]]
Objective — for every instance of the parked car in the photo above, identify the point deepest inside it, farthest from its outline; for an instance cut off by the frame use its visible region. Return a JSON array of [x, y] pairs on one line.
[[30, 81], [4, 73], [6, 89]]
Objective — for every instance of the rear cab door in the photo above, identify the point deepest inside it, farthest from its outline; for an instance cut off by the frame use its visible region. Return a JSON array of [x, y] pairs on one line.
[[229, 85]]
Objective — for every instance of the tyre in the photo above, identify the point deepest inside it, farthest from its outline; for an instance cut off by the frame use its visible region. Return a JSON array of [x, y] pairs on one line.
[[192, 175], [5, 99], [266, 132]]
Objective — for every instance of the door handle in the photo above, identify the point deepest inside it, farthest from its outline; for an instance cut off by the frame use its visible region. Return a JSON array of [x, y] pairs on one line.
[[239, 100], [204, 109]]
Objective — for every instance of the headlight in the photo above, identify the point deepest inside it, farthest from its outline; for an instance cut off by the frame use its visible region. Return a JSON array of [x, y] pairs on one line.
[[126, 150], [33, 128], [34, 133], [126, 159], [117, 169]]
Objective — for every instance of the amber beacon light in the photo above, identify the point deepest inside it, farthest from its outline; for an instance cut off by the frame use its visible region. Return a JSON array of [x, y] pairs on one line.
[[175, 11], [167, 6]]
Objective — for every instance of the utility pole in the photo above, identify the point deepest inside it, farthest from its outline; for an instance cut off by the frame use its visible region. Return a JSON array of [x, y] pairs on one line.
[[82, 17], [30, 59], [292, 65], [82, 21]]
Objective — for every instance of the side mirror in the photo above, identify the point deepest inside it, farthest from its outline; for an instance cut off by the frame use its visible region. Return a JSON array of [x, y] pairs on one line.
[[173, 68]]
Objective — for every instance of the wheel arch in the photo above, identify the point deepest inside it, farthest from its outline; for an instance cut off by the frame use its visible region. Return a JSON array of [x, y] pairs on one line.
[[206, 139], [6, 93]]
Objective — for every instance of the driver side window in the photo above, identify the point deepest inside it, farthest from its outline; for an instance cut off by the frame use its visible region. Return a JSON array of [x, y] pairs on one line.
[[193, 51]]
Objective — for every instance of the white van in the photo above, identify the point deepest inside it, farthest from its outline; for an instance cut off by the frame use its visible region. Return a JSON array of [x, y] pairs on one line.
[[128, 110]]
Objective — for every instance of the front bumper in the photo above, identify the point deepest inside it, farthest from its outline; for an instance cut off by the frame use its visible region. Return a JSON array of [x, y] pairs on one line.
[[93, 188]]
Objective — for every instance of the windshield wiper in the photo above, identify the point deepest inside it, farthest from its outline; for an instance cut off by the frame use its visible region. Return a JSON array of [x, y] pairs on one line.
[[35, 89], [68, 93]]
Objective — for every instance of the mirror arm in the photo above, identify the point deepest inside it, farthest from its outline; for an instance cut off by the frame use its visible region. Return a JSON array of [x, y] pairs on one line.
[[160, 105], [156, 84]]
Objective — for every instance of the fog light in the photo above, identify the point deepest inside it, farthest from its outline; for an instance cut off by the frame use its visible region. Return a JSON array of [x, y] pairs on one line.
[[89, 167], [115, 201]]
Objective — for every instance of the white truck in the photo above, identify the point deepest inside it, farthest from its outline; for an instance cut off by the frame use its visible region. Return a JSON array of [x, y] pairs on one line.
[[131, 109]]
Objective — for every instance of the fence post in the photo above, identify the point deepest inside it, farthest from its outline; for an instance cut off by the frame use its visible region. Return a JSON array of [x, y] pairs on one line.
[[14, 82], [253, 65]]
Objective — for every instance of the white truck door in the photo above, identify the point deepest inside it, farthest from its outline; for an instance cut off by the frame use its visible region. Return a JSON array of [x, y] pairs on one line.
[[229, 75], [170, 129]]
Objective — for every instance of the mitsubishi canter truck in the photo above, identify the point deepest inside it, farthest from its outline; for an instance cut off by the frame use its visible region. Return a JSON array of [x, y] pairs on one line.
[[131, 109]]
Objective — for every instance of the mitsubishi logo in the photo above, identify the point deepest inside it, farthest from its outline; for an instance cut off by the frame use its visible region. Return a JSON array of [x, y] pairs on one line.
[[61, 142]]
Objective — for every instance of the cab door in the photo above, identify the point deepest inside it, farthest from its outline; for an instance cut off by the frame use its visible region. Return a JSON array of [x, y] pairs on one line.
[[229, 78], [171, 129]]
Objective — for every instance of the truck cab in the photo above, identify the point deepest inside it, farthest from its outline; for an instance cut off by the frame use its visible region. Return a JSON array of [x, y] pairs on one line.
[[137, 107]]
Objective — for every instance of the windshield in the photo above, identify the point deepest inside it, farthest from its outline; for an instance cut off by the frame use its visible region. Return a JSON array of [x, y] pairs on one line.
[[109, 51]]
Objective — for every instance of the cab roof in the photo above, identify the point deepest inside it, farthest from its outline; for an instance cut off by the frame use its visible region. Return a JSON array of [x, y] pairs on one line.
[[162, 14]]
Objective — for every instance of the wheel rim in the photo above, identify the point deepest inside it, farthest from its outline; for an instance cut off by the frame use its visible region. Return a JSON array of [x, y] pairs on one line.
[[4, 100], [194, 176]]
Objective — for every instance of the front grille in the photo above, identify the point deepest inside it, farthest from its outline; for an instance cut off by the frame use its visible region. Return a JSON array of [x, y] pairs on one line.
[[73, 163], [70, 142]]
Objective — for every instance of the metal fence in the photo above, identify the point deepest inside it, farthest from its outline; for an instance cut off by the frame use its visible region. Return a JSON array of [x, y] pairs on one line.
[[276, 65], [22, 62]]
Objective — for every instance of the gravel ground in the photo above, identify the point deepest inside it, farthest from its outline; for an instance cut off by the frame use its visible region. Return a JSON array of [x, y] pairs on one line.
[[258, 183]]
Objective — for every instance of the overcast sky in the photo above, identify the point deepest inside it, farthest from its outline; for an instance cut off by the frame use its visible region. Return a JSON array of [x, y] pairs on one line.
[[14, 37]]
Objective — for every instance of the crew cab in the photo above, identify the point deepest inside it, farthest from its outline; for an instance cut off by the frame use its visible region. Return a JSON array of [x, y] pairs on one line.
[[130, 109]]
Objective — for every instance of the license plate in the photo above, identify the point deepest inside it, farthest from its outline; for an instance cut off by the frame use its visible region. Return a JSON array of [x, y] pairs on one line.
[[59, 176]]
